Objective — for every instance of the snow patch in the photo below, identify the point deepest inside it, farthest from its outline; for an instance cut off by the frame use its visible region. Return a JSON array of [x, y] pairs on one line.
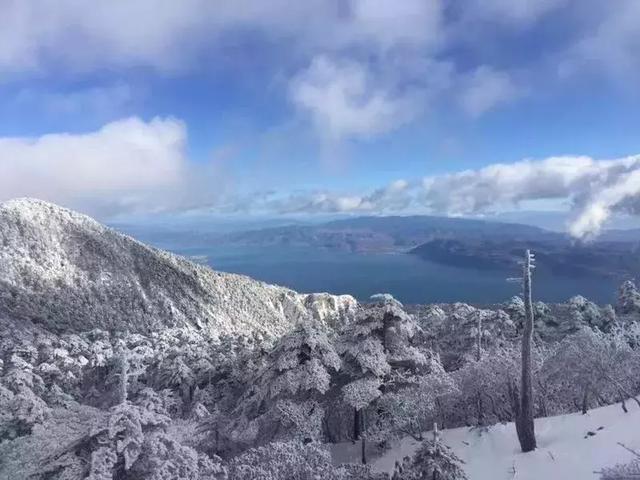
[[572, 446]]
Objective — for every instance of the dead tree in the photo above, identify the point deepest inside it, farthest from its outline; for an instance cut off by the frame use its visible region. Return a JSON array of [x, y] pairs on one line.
[[478, 336], [523, 399], [479, 405]]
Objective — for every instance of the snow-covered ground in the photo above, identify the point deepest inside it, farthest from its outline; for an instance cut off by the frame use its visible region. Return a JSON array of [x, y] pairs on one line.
[[565, 449]]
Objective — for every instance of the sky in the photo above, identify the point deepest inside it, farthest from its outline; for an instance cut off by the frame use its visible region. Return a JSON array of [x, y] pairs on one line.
[[158, 107]]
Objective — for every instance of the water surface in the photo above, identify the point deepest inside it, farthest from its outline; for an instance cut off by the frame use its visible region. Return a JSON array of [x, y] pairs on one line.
[[407, 277]]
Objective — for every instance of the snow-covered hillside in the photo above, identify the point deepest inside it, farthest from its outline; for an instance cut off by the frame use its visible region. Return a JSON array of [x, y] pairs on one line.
[[569, 447], [66, 272]]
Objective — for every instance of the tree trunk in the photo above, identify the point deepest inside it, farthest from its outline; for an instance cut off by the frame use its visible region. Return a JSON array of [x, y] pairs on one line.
[[585, 400], [524, 421], [624, 404], [479, 338], [441, 413], [123, 375], [363, 419], [436, 446], [514, 396], [542, 395], [356, 424], [480, 409]]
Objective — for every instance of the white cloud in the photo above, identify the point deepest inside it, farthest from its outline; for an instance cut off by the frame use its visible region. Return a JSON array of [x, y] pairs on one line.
[[410, 22], [86, 35], [392, 198], [485, 89], [167, 34], [344, 100], [594, 190], [516, 13], [131, 165], [126, 165], [371, 66], [387, 83], [75, 37], [505, 185], [100, 101], [619, 191], [610, 45], [319, 203]]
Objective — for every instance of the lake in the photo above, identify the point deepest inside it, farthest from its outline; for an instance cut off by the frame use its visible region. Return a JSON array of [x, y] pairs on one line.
[[407, 277]]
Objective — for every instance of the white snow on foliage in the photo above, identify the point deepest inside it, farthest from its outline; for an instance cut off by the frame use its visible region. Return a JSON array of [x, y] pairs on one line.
[[67, 272], [573, 446]]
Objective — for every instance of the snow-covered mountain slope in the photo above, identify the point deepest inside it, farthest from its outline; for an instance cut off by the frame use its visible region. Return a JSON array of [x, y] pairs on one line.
[[570, 446], [66, 272]]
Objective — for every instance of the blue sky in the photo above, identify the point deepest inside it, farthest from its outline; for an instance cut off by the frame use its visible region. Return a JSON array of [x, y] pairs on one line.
[[283, 107]]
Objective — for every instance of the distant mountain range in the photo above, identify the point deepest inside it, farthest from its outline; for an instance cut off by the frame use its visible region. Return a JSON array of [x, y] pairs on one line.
[[617, 235], [606, 259], [460, 242], [386, 234]]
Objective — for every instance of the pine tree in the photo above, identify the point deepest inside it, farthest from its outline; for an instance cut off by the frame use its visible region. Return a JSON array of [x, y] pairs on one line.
[[628, 299], [433, 461], [284, 461], [288, 388], [376, 352], [122, 368]]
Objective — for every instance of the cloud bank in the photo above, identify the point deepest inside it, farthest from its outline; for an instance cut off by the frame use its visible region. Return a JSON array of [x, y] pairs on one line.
[[168, 35], [126, 165], [352, 69], [355, 69], [592, 189], [133, 165]]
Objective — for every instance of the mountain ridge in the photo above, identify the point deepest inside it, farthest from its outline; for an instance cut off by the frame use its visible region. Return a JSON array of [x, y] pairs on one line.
[[386, 234], [66, 272]]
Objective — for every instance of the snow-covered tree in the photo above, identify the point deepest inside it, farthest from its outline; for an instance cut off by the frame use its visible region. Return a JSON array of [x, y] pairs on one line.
[[413, 409], [628, 299], [122, 372], [377, 354], [21, 405], [377, 343], [483, 388], [432, 461], [623, 471], [126, 443], [583, 312], [292, 460], [591, 365], [524, 402], [175, 373], [461, 329], [20, 412], [285, 394], [515, 308]]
